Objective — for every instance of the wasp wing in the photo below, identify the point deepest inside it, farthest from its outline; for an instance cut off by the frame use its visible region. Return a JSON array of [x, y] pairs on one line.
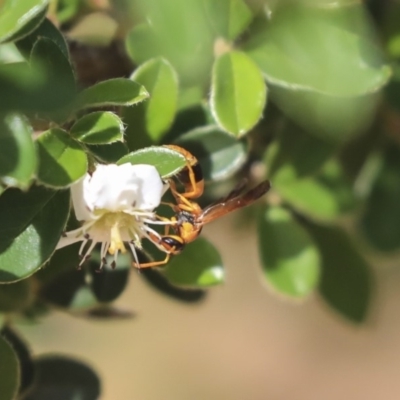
[[231, 203]]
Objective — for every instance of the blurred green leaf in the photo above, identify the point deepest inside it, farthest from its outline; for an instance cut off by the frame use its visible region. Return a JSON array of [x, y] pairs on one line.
[[60, 85], [17, 151], [70, 290], [110, 282], [238, 93], [32, 224], [167, 161], [186, 42], [346, 280], [25, 360], [9, 53], [158, 281], [9, 371], [220, 155], [109, 153], [101, 127], [156, 115], [15, 296], [380, 220], [20, 15], [62, 160], [67, 9], [113, 92], [45, 30], [306, 153], [64, 378], [189, 269], [330, 51], [228, 17], [323, 66], [289, 256], [324, 196]]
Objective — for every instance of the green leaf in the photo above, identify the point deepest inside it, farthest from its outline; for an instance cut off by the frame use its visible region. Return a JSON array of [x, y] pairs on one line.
[[24, 356], [70, 290], [199, 265], [9, 371], [158, 281], [346, 280], [45, 30], [65, 378], [113, 92], [60, 85], [290, 259], [17, 151], [108, 153], [331, 51], [157, 114], [62, 160], [20, 15], [15, 296], [32, 224], [305, 153], [238, 93], [323, 67], [220, 155], [380, 220], [187, 46], [228, 17], [324, 196], [101, 127], [167, 161], [109, 283]]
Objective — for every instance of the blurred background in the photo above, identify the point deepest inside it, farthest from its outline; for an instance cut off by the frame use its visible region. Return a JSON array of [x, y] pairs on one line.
[[242, 342]]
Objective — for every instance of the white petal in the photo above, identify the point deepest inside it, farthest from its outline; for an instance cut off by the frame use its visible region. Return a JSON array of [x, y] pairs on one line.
[[81, 207], [66, 241], [113, 187], [151, 187]]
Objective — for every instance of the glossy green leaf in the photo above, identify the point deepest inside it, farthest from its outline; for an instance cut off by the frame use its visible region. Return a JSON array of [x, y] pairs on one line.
[[324, 196], [24, 356], [20, 15], [15, 296], [9, 371], [289, 256], [17, 151], [161, 81], [323, 67], [228, 17], [380, 220], [109, 283], [65, 378], [32, 224], [113, 92], [220, 155], [167, 161], [108, 153], [238, 93], [199, 265], [45, 30], [101, 127], [62, 160], [346, 279]]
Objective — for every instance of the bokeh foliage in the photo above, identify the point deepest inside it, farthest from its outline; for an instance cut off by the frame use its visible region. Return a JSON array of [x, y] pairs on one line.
[[307, 90]]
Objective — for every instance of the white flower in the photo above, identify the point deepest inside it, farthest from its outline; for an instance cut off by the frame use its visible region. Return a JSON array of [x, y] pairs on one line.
[[115, 204]]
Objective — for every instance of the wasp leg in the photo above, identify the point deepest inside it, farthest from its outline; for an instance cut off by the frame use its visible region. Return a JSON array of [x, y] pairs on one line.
[[153, 263]]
